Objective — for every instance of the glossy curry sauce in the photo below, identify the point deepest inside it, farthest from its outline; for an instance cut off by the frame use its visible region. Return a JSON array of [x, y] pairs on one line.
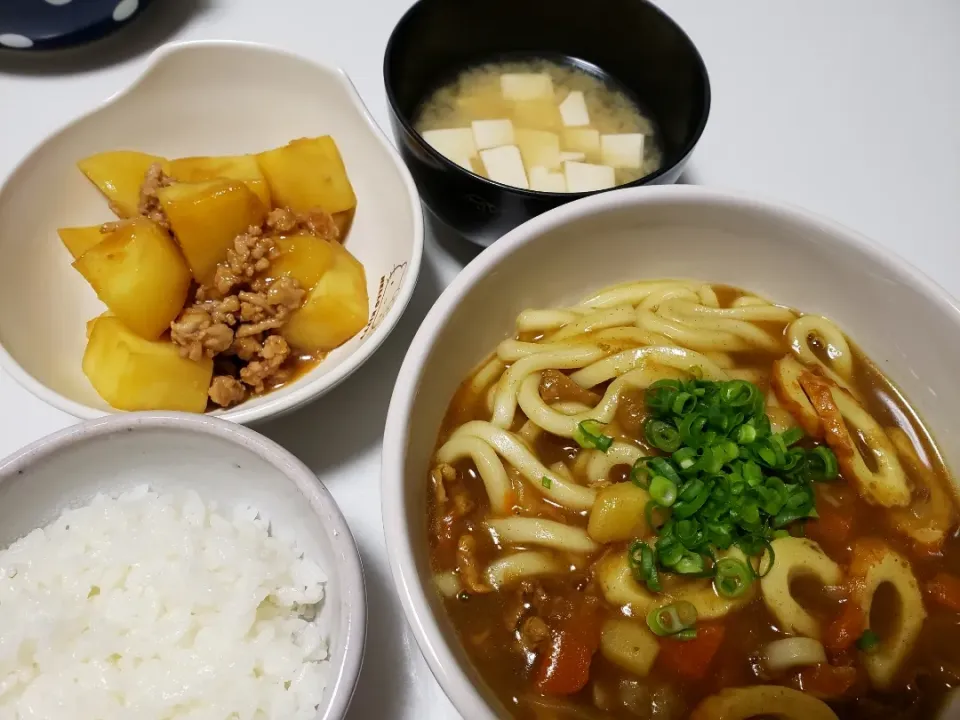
[[486, 622]]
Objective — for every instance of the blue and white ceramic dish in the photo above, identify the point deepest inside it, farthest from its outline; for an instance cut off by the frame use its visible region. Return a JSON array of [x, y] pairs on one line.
[[47, 24]]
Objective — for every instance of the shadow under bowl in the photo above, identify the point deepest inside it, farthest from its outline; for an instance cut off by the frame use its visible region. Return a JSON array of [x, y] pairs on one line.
[[631, 41]]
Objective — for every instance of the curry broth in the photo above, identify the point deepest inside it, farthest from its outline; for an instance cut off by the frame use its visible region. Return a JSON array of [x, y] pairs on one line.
[[484, 620]]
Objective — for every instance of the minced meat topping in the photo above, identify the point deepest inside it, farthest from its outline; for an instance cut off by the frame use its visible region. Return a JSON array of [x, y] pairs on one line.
[[236, 318]]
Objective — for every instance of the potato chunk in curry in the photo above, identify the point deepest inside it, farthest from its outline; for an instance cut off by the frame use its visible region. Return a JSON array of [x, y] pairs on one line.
[[132, 373], [304, 257], [119, 175], [231, 167], [335, 310], [206, 217], [139, 273], [308, 173], [78, 240]]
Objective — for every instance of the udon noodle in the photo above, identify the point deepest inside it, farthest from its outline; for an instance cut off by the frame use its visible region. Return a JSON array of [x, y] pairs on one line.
[[680, 500]]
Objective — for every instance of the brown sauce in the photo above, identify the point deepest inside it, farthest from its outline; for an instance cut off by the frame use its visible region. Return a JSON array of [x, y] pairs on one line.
[[484, 620]]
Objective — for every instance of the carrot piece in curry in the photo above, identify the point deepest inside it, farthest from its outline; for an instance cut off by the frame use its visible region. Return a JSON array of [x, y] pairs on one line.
[[827, 681], [692, 658], [564, 668], [835, 525], [842, 633]]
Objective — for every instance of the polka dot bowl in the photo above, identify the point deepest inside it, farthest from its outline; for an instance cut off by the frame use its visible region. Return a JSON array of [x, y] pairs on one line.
[[196, 98], [49, 24]]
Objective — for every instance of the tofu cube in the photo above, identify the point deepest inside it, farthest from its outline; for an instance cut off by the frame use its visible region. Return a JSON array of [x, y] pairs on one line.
[[585, 140], [492, 133], [537, 115], [575, 156], [538, 147], [455, 144], [623, 150], [544, 180], [464, 162], [483, 106], [526, 86], [573, 110], [585, 177], [505, 165]]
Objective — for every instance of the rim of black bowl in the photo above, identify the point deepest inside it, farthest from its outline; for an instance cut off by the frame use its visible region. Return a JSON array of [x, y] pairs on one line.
[[639, 182]]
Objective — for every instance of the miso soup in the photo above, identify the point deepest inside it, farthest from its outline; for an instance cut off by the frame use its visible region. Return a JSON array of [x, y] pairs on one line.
[[541, 125]]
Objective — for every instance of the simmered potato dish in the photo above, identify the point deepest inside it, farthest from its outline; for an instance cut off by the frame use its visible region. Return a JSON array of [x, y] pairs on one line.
[[224, 277]]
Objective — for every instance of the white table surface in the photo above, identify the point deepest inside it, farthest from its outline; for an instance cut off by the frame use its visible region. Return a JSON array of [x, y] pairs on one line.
[[848, 108]]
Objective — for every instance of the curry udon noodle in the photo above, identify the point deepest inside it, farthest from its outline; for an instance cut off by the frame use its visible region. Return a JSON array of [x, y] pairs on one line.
[[678, 500]]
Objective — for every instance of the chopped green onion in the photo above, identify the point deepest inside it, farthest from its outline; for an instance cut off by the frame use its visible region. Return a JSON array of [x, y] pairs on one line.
[[689, 564], [663, 490], [746, 434], [791, 436], [649, 509], [693, 431], [868, 642], [766, 549], [688, 634], [662, 466], [725, 479], [822, 464], [738, 393], [546, 482], [648, 568], [689, 533], [685, 458], [589, 435], [669, 552], [683, 402], [662, 435], [643, 565], [672, 619], [733, 578], [685, 508]]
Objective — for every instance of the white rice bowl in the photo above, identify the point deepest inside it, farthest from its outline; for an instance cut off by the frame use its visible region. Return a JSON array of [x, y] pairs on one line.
[[154, 605]]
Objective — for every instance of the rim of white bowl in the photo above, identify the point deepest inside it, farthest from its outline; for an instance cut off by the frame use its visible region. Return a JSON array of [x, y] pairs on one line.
[[412, 590], [350, 568], [311, 390]]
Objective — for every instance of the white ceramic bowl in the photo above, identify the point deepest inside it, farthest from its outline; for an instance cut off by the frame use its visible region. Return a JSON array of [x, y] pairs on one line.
[[899, 317], [200, 98], [223, 462]]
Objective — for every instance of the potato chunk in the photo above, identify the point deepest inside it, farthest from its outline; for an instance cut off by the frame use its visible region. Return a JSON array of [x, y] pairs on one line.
[[343, 221], [618, 513], [230, 167], [629, 644], [304, 257], [119, 175], [206, 217], [139, 273], [335, 310], [93, 321], [306, 174], [131, 373], [80, 239]]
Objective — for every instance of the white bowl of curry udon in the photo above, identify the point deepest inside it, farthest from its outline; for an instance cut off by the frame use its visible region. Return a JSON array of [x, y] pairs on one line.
[[673, 453]]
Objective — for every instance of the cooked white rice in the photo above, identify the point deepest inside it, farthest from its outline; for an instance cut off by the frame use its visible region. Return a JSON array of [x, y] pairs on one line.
[[155, 606]]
